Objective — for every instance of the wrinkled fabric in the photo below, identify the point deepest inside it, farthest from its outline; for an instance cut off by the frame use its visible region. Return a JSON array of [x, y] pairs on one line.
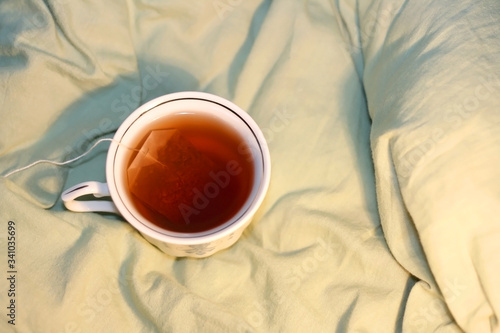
[[383, 127]]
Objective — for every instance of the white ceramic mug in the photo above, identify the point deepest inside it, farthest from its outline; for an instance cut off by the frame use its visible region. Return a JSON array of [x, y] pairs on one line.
[[201, 244]]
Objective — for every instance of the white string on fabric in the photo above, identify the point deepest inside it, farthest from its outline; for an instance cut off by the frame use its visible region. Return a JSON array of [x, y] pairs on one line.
[[59, 163]]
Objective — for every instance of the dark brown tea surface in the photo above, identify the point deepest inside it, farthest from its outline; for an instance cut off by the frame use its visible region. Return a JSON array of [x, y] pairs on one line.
[[189, 174]]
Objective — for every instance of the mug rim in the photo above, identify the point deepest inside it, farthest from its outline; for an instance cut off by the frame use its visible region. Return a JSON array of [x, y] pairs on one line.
[[198, 237]]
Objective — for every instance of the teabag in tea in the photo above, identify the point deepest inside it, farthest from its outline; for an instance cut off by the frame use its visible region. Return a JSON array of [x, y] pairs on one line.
[[165, 172]]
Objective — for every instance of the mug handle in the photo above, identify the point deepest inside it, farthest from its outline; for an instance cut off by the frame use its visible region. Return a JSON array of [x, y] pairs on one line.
[[97, 189]]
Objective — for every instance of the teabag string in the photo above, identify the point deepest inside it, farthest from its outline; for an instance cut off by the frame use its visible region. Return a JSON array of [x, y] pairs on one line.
[[62, 163], [164, 175], [52, 162]]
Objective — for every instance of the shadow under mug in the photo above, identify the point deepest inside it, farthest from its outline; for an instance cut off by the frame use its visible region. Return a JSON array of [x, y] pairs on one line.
[[198, 244]]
